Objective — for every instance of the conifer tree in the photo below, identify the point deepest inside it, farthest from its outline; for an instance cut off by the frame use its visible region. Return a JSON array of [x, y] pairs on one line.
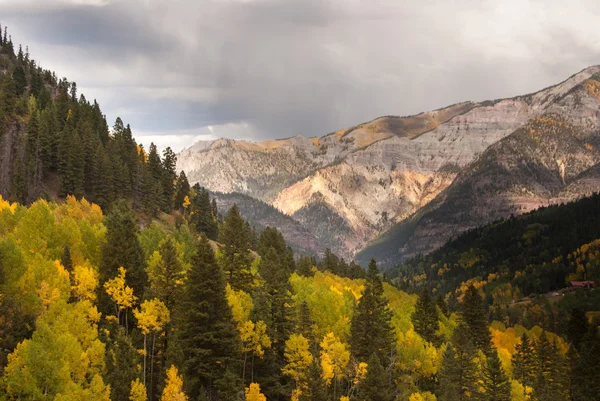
[[122, 248], [376, 385], [475, 316], [585, 382], [458, 372], [182, 189], [425, 318], [578, 327], [207, 332], [551, 372], [201, 213], [371, 331], [236, 255], [524, 362], [121, 363], [495, 382]]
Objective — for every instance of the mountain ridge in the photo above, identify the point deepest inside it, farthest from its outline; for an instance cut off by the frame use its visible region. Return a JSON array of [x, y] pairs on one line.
[[378, 173]]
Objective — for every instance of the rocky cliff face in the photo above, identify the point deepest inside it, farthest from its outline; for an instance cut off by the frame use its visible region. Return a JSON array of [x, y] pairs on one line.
[[363, 181], [553, 158]]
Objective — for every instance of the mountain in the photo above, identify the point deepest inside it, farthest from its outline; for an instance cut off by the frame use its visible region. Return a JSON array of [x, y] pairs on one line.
[[537, 252], [552, 159], [371, 181], [260, 215]]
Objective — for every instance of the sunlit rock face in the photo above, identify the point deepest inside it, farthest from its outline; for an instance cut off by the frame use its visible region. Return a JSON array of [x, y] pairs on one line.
[[350, 186]]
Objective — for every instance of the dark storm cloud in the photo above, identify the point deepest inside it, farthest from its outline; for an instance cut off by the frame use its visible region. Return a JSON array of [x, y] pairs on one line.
[[273, 68]]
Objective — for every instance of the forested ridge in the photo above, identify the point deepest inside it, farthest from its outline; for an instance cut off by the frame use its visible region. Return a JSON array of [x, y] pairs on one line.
[[119, 281]]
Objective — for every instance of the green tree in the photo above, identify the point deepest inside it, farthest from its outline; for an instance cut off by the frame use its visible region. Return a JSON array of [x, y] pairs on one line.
[[376, 386], [578, 326], [551, 372], [371, 330], [495, 382], [458, 371], [182, 189], [585, 375], [236, 254], [122, 248], [202, 217], [207, 332], [524, 362], [425, 318], [475, 316]]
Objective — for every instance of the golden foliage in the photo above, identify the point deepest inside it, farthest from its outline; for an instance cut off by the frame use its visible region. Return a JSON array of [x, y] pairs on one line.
[[152, 316], [138, 391], [119, 292], [334, 358], [173, 390], [253, 393]]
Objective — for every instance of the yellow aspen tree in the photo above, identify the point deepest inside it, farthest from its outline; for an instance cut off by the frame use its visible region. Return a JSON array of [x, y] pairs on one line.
[[121, 294], [138, 391], [334, 360], [253, 393], [85, 281], [152, 316], [298, 357], [173, 390]]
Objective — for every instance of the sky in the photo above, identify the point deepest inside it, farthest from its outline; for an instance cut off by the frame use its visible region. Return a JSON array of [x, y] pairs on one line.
[[183, 70]]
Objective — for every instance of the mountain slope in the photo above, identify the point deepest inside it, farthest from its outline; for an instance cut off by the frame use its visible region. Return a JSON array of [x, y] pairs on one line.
[[377, 174], [552, 159], [261, 215]]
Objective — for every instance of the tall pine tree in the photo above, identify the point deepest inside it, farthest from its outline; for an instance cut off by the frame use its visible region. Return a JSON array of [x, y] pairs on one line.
[[371, 330], [207, 333]]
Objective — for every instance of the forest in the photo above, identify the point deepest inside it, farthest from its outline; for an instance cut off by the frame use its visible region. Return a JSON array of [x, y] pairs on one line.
[[121, 281]]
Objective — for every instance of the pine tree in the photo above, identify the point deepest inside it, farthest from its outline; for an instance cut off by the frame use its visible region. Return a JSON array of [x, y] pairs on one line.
[[201, 213], [66, 260], [524, 362], [458, 372], [474, 315], [495, 382], [122, 249], [551, 372], [376, 386], [330, 262], [578, 326], [371, 330], [168, 178], [182, 189], [207, 332], [585, 382], [236, 255], [425, 318], [121, 363]]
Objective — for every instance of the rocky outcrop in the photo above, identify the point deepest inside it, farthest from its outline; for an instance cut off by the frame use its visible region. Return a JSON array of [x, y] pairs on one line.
[[365, 180]]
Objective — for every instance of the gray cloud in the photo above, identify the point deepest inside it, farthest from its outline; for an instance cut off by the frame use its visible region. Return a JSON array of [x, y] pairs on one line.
[[259, 69]]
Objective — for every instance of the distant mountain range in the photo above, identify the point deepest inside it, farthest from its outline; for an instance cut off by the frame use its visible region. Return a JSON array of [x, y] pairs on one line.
[[398, 186]]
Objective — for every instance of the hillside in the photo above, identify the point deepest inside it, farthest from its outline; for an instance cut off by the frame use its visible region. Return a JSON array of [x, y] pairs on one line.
[[261, 215], [380, 173], [551, 159]]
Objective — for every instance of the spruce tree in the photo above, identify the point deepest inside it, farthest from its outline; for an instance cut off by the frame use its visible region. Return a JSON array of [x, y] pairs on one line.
[[475, 316], [122, 249], [201, 213], [233, 235], [371, 330], [551, 376], [207, 333], [425, 318], [182, 189], [585, 382], [458, 372], [495, 382], [524, 362], [122, 361], [376, 386], [578, 326]]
